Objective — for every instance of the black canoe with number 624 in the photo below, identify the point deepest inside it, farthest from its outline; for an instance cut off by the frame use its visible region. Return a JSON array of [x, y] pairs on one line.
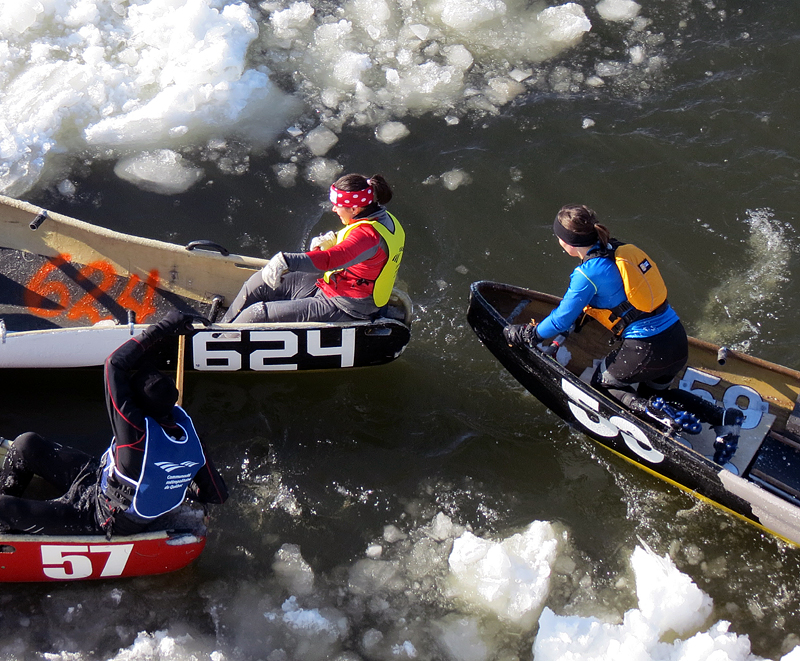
[[72, 292], [760, 482]]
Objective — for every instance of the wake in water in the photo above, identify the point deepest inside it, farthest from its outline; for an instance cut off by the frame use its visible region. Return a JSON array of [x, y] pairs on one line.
[[734, 311]]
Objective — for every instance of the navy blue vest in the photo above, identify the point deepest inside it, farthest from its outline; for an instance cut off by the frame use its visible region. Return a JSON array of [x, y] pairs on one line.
[[168, 467]]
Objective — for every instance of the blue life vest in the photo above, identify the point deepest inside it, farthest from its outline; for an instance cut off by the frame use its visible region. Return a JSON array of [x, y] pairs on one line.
[[168, 467]]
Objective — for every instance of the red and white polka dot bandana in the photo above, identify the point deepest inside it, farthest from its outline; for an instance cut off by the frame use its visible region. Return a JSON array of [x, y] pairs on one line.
[[359, 198]]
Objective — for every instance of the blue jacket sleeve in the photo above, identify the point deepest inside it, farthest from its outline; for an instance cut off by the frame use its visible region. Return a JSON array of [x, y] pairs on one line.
[[581, 291]]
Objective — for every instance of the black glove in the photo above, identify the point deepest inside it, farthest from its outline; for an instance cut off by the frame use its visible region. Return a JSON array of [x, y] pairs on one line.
[[521, 334], [179, 323]]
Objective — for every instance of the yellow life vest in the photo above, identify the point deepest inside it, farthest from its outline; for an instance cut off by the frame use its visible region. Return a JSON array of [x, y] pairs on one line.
[[395, 241], [645, 290]]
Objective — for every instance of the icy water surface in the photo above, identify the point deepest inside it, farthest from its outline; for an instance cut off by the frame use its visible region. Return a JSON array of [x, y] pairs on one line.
[[430, 508]]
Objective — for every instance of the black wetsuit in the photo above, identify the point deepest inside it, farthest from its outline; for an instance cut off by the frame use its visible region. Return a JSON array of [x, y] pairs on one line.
[[84, 509]]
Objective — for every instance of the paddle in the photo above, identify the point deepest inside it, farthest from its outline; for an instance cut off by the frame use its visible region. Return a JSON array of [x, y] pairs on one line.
[[179, 368]]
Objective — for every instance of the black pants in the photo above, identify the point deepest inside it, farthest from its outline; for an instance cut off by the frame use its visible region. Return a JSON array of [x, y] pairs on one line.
[[653, 361], [297, 298], [72, 472]]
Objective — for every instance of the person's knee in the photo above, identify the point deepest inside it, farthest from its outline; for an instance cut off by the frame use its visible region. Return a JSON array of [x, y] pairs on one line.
[[256, 313], [602, 378], [29, 443]]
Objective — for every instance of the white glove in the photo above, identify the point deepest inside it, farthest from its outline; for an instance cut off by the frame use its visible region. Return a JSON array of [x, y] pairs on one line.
[[323, 241], [273, 272]]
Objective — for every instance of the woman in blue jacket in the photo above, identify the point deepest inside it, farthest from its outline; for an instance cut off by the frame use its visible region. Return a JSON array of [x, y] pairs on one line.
[[654, 345]]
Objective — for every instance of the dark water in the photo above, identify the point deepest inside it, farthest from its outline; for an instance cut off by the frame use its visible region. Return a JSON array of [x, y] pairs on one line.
[[696, 160]]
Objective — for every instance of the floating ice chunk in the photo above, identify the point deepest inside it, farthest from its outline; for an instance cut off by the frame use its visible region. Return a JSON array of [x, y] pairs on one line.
[[390, 132], [637, 54], [587, 123], [161, 171], [668, 598], [462, 639], [455, 178], [67, 188], [502, 90], [320, 140], [323, 171], [608, 69], [520, 74], [669, 603], [373, 16], [459, 56], [392, 534], [421, 32], [442, 528], [292, 570], [19, 16], [311, 620], [406, 650], [349, 66], [150, 75], [375, 576], [374, 551], [565, 23], [465, 15], [286, 22], [286, 174], [512, 577], [618, 10], [564, 638], [572, 638]]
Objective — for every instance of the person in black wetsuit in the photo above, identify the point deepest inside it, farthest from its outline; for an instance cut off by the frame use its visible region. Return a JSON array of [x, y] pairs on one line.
[[154, 462]]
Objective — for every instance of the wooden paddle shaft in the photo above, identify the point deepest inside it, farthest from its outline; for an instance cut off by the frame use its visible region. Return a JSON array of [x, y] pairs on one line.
[[179, 368]]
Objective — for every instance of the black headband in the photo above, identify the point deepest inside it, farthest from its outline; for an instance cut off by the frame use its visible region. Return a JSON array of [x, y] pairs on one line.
[[574, 239]]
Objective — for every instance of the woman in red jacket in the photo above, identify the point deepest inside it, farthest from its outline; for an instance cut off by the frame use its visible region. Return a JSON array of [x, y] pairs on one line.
[[344, 276]]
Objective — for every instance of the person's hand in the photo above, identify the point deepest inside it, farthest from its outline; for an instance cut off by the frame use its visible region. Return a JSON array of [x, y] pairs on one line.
[[521, 334], [323, 241], [272, 273], [179, 323]]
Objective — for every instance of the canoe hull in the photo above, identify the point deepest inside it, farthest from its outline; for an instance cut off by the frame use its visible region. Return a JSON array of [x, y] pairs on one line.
[[224, 347], [41, 558], [649, 446]]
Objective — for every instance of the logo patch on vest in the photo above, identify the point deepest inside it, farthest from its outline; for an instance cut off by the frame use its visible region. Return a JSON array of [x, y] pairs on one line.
[[644, 266], [169, 466]]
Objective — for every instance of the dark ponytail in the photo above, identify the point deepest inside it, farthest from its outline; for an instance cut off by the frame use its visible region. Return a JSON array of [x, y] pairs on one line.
[[580, 219]]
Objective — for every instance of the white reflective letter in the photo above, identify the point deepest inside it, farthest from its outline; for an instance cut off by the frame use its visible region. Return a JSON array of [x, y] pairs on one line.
[[118, 555], [224, 360], [55, 559], [637, 440], [602, 426], [347, 350], [288, 350], [755, 408]]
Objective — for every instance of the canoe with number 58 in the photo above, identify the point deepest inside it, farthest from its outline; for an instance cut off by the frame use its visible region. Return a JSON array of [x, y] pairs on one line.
[[759, 483]]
